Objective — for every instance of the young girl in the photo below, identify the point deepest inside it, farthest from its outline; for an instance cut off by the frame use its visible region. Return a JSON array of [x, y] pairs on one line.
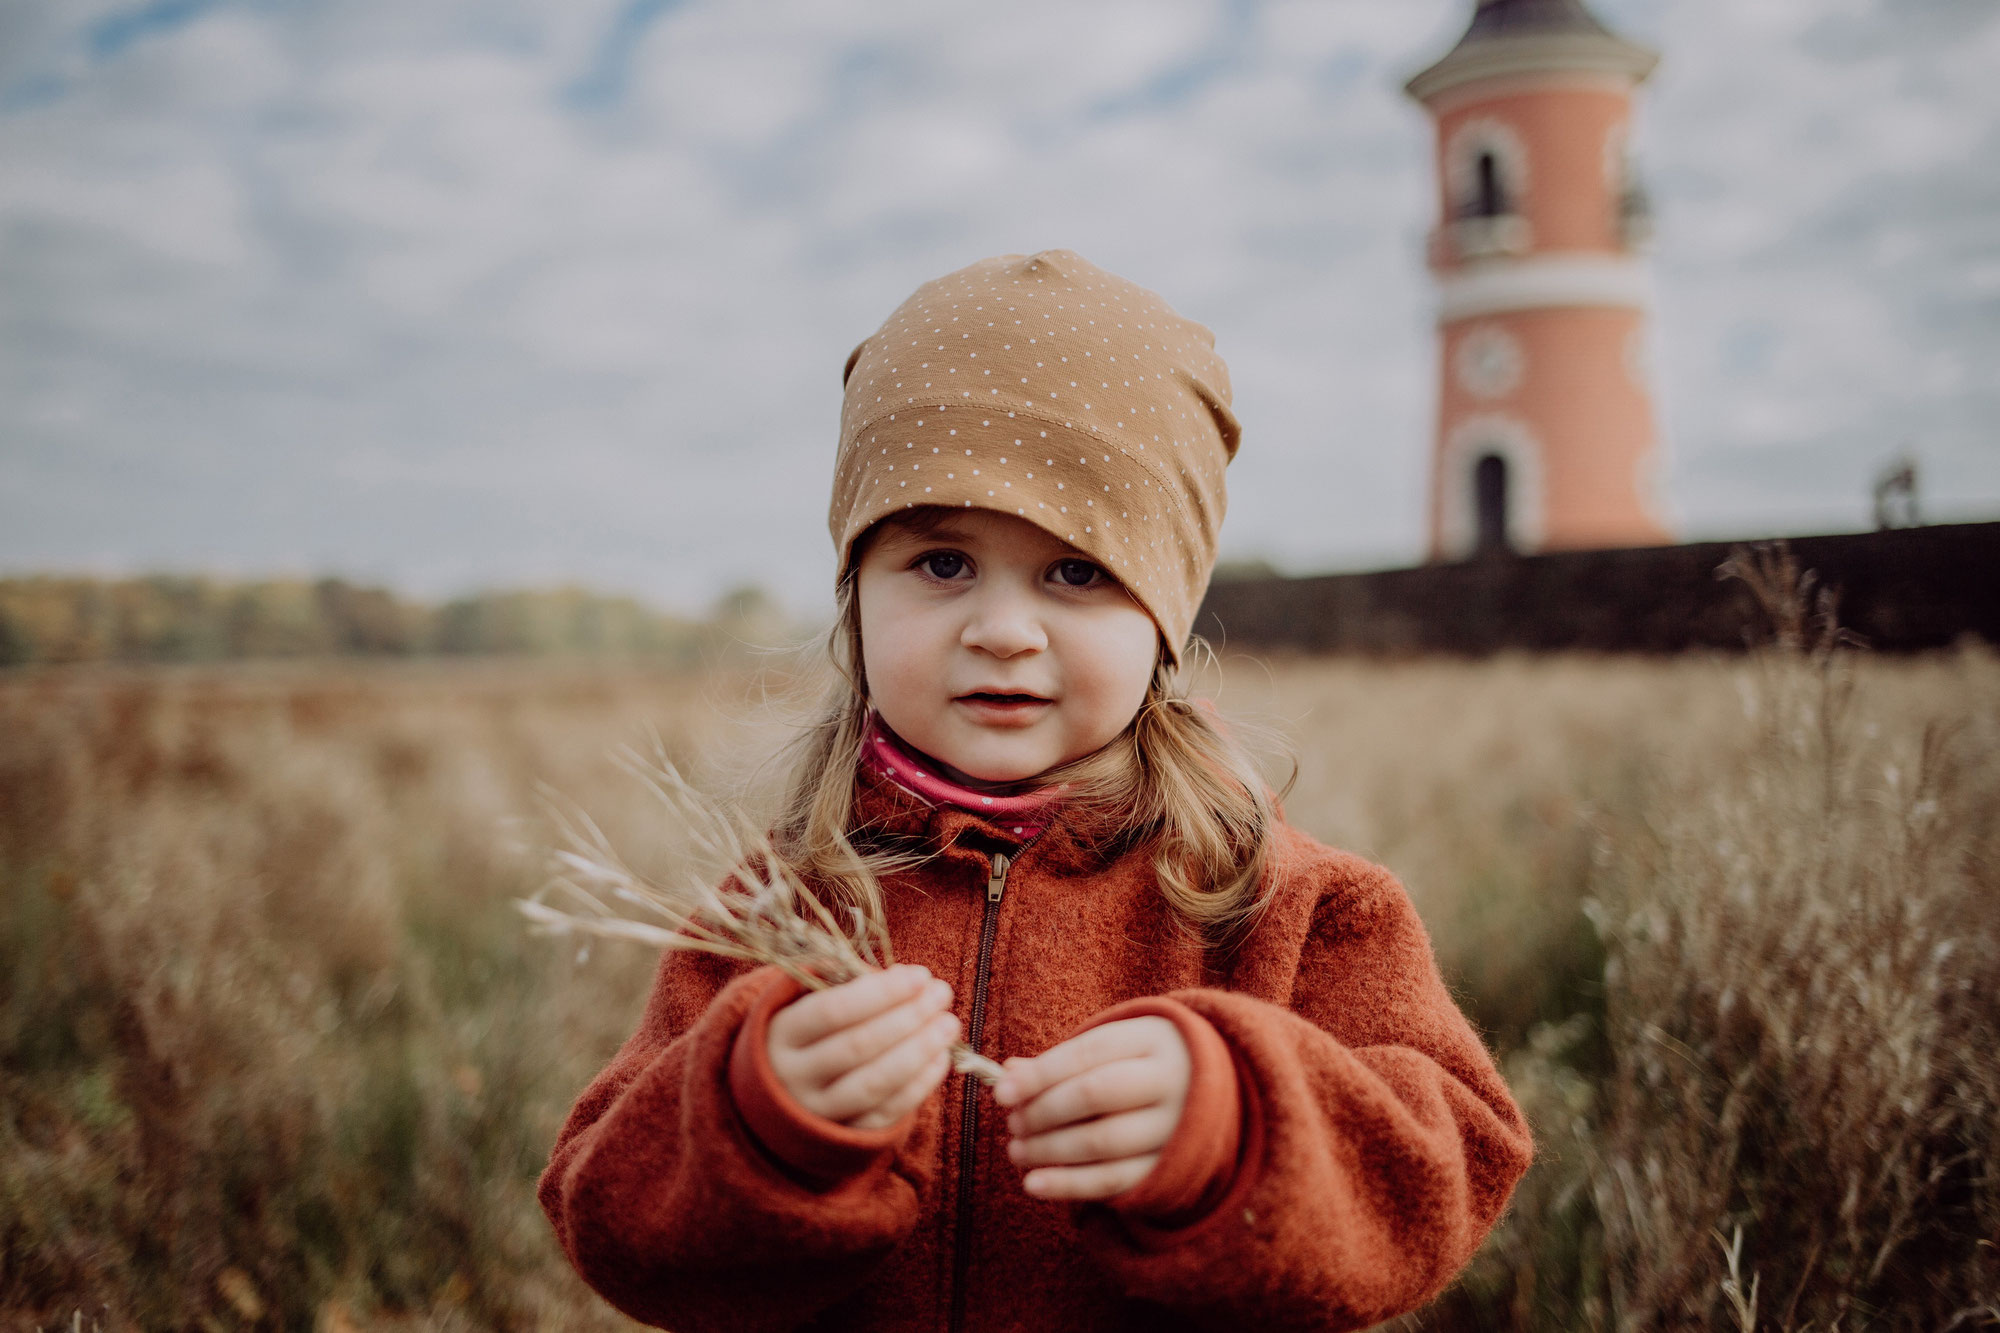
[[1237, 1092]]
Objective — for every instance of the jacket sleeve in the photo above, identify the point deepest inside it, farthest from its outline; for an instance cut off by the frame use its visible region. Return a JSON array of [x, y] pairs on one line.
[[672, 1206], [1377, 1143]]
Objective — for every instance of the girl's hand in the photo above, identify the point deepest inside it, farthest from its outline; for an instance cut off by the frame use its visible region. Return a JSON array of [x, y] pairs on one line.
[[1091, 1115], [868, 1051]]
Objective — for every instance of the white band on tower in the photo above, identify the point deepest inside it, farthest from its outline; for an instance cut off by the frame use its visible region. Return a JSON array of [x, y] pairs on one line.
[[1541, 281]]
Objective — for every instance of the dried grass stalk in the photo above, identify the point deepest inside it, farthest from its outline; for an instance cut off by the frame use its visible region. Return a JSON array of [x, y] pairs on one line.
[[755, 907], [1799, 1009]]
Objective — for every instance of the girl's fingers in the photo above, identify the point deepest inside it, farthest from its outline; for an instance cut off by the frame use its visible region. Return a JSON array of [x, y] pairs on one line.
[[1110, 1041], [821, 1013], [835, 1056], [1123, 1085], [863, 1089], [1129, 1134], [1101, 1180], [909, 1097]]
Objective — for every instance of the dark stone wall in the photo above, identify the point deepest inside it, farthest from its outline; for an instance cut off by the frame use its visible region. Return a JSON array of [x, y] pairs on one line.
[[1902, 590]]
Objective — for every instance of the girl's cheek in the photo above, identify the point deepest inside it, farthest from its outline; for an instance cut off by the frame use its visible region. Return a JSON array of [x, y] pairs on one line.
[[892, 651]]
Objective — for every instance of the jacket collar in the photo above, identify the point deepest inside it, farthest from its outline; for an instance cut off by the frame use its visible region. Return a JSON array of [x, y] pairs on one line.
[[885, 811]]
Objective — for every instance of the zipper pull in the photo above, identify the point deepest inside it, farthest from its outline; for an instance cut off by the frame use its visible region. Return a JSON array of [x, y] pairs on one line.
[[996, 882]]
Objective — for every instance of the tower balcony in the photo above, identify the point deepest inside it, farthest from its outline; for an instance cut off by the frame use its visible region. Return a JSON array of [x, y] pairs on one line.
[[1473, 236]]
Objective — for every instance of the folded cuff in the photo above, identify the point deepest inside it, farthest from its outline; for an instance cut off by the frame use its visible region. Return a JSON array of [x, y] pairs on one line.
[[820, 1151], [1199, 1162]]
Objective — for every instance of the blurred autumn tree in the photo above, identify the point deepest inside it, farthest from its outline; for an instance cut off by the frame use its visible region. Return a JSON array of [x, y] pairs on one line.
[[169, 618]]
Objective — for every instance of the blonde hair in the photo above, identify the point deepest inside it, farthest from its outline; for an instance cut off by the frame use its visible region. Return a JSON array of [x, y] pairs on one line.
[[1174, 777]]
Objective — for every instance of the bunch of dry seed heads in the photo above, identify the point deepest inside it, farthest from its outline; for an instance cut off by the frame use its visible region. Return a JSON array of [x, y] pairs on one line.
[[758, 910]]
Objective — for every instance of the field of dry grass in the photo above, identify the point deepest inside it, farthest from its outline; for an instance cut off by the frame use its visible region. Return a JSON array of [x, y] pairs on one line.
[[276, 1052]]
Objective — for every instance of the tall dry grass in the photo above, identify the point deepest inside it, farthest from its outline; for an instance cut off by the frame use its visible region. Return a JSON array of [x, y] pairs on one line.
[[1803, 1012], [275, 1051], [274, 1047], [1776, 1103]]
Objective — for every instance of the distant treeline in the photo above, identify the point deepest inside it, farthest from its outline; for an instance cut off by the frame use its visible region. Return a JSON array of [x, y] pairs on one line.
[[169, 618]]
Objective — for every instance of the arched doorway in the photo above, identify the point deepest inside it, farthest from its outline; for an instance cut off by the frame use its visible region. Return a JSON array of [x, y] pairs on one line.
[[1489, 506], [1488, 488]]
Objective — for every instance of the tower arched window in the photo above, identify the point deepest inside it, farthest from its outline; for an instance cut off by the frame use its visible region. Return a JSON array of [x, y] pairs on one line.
[[1490, 197], [1486, 178], [1631, 210]]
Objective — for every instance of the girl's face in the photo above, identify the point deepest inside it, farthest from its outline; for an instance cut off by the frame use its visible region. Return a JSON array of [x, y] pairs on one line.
[[996, 648]]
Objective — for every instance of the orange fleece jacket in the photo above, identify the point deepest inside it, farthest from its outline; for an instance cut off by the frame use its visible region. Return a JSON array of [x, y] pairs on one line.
[[1346, 1144]]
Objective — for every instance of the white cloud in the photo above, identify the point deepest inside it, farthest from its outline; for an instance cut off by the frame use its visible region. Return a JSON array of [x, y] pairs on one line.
[[473, 293]]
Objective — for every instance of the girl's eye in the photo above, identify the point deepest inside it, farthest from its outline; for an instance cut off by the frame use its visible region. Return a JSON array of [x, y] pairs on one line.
[[1077, 573], [943, 564]]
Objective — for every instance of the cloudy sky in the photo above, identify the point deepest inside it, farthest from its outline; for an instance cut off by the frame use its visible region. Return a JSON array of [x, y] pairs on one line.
[[461, 294]]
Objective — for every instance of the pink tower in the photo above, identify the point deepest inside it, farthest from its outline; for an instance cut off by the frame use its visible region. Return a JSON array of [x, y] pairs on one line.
[[1545, 434]]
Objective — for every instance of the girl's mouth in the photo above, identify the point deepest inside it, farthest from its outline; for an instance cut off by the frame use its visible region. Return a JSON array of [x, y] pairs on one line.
[[997, 706]]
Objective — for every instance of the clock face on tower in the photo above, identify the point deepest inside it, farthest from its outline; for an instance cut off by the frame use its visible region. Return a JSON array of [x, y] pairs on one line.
[[1489, 362]]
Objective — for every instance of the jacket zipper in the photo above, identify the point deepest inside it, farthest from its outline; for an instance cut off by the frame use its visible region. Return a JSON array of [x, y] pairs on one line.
[[968, 1118]]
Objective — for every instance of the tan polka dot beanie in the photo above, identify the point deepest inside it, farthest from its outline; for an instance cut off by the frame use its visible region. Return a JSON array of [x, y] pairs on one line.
[[1044, 387]]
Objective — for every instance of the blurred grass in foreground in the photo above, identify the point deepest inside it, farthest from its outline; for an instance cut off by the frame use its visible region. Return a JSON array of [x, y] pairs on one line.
[[276, 1052]]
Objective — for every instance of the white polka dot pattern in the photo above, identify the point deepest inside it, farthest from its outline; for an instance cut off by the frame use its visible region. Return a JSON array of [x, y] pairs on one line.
[[1044, 387]]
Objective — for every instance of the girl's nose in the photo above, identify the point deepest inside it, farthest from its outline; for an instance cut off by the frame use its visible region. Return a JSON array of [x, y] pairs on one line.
[[1004, 624]]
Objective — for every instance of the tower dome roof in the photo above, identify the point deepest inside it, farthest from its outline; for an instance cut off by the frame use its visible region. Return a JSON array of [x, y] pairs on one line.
[[1512, 17], [1528, 37]]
